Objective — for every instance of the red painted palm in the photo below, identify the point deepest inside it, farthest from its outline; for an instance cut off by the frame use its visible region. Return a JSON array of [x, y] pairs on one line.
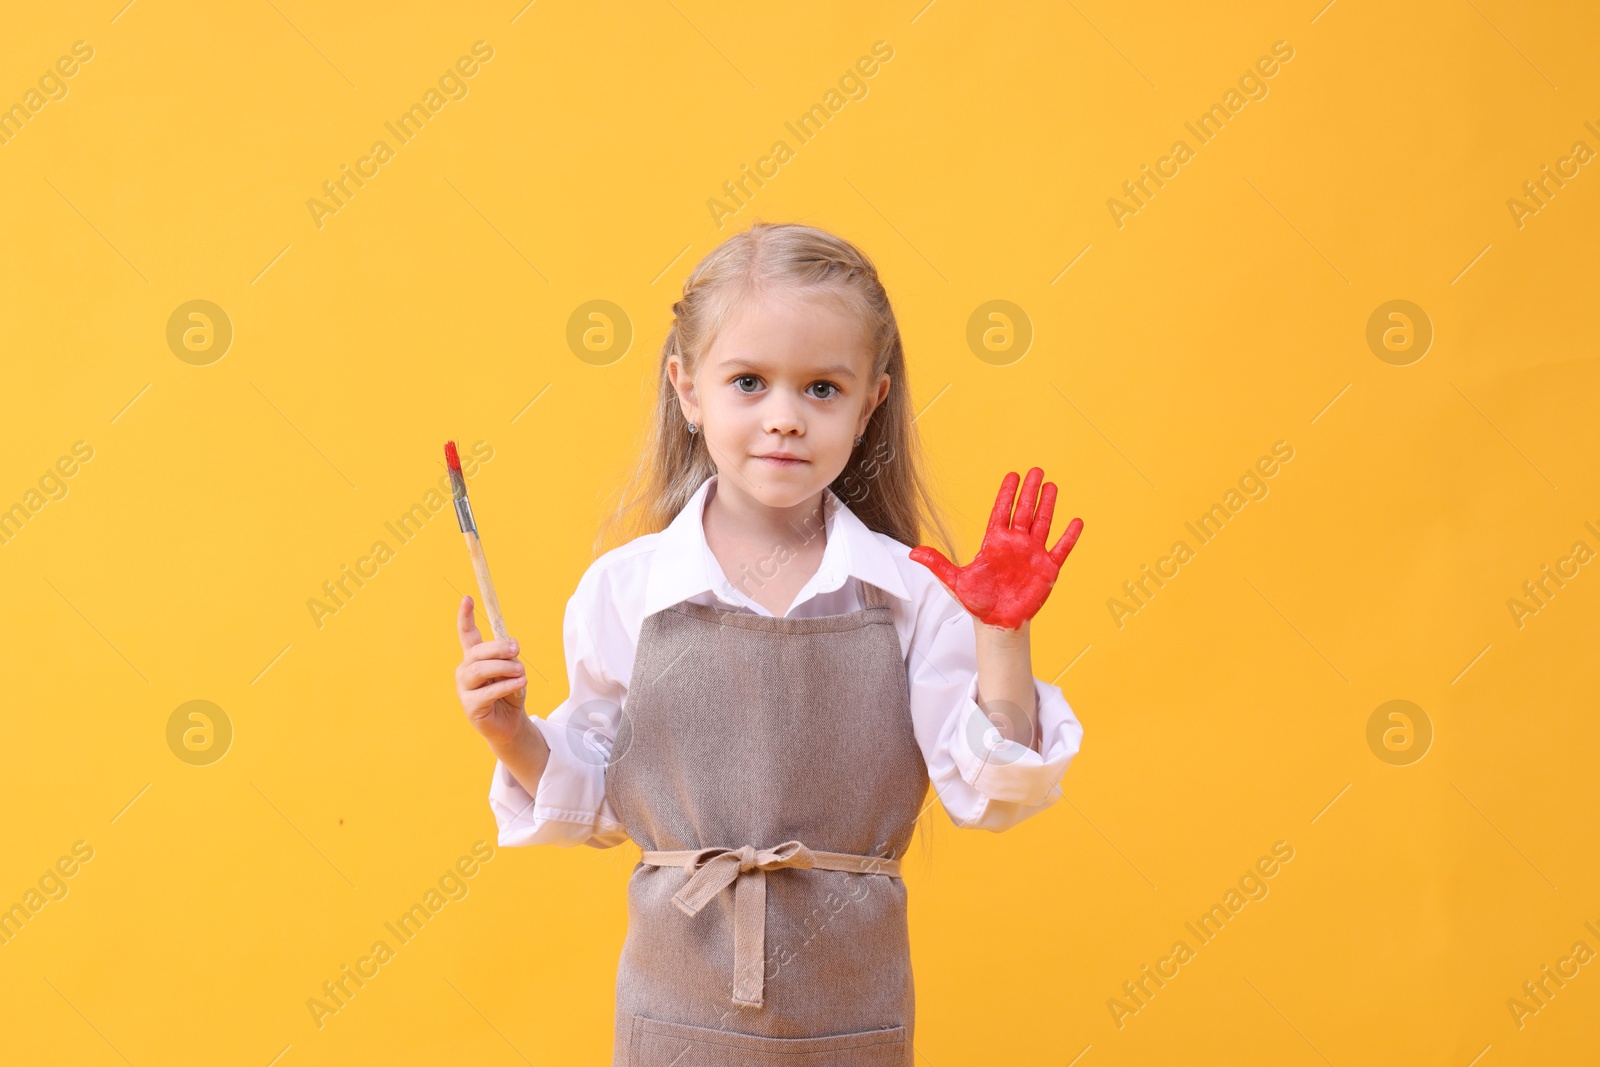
[[1008, 581]]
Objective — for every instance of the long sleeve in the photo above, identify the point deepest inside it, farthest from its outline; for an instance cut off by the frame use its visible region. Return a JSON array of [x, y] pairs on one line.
[[983, 781], [570, 807]]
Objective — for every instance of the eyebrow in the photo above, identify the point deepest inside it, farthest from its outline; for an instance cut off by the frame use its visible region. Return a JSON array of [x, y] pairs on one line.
[[837, 370]]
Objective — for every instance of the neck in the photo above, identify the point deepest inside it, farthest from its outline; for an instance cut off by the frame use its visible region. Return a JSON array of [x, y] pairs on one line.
[[739, 517]]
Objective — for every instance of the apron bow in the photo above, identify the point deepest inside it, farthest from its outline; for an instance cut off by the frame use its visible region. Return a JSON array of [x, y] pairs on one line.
[[745, 868], [714, 868]]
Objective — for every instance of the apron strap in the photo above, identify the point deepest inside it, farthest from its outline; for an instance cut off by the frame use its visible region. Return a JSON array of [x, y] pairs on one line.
[[745, 868], [871, 595]]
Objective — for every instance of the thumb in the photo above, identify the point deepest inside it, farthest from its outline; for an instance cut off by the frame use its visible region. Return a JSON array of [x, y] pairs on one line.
[[936, 562], [467, 625]]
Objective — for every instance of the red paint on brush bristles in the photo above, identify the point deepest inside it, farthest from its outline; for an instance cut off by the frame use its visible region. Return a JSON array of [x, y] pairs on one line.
[[450, 456]]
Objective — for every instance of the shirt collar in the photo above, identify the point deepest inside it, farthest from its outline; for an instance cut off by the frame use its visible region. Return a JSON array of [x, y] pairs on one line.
[[684, 565]]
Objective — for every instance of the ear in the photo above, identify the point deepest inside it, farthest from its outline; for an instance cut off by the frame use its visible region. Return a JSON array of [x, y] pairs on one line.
[[873, 401], [683, 385]]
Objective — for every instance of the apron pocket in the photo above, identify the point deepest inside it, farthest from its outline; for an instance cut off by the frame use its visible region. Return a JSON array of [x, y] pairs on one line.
[[658, 1042]]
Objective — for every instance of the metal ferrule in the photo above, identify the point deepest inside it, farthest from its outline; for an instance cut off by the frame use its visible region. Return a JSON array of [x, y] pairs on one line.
[[464, 515]]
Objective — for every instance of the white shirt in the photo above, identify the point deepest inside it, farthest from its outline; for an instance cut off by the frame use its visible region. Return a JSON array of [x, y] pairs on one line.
[[983, 781]]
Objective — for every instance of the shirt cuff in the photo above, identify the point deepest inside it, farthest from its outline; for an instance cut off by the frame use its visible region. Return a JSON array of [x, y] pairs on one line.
[[1007, 770], [569, 807]]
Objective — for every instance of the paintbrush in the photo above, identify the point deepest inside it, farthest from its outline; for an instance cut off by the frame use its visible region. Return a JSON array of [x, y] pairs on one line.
[[469, 530]]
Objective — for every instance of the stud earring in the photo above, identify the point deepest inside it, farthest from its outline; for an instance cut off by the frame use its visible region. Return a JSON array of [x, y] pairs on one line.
[[858, 441], [692, 428]]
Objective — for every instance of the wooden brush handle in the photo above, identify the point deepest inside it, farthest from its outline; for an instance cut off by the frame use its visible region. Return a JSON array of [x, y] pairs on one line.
[[491, 603]]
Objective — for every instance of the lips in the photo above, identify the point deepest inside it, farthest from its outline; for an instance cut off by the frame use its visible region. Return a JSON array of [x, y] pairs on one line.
[[782, 458]]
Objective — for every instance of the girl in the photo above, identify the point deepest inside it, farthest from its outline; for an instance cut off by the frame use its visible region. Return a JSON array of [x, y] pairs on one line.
[[793, 675]]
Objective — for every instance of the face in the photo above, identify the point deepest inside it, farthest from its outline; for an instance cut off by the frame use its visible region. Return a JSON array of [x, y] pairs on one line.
[[788, 376]]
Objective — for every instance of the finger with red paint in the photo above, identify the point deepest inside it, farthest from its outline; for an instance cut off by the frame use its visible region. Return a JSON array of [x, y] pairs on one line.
[[1009, 580]]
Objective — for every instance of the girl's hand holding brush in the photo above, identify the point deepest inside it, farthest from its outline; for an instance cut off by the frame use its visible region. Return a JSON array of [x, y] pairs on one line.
[[491, 682], [495, 707]]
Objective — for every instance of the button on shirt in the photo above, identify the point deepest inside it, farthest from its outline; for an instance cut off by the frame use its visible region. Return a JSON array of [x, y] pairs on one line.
[[984, 781]]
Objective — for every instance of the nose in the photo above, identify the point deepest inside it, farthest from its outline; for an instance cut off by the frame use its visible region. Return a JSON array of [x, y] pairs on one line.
[[781, 415]]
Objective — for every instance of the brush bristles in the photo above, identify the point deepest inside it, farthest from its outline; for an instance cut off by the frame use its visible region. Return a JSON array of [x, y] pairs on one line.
[[458, 484]]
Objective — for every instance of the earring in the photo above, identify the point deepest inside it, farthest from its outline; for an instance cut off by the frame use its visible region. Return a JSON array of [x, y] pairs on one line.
[[858, 441], [692, 428]]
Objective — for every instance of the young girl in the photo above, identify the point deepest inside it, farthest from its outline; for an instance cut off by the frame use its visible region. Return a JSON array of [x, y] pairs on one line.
[[765, 682]]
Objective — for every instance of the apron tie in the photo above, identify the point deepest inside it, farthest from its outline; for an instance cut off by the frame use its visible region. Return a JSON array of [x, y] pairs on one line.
[[745, 868]]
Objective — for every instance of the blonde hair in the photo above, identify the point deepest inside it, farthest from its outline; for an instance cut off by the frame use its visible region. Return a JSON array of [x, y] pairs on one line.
[[883, 483]]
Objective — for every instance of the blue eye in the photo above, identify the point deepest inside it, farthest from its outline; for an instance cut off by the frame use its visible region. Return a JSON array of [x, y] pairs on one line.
[[834, 389]]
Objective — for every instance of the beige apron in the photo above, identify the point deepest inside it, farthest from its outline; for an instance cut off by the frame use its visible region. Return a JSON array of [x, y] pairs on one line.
[[768, 769]]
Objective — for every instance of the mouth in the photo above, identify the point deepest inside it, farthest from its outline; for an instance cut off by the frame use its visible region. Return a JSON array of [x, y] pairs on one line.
[[782, 460]]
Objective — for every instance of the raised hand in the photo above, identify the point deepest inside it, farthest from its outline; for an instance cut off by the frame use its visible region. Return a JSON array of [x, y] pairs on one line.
[[1007, 582]]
